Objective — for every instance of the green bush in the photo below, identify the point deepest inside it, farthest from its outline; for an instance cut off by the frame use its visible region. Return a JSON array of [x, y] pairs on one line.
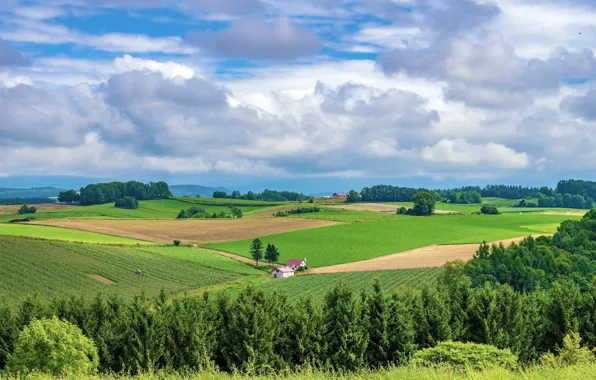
[[401, 211], [128, 203], [53, 347], [572, 353], [27, 210], [177, 243], [465, 356], [489, 210]]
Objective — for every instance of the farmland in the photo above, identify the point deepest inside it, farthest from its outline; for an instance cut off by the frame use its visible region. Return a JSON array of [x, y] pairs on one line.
[[360, 241], [56, 233], [58, 268]]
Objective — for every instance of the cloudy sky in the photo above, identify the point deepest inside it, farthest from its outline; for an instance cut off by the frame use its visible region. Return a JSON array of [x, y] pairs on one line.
[[298, 91]]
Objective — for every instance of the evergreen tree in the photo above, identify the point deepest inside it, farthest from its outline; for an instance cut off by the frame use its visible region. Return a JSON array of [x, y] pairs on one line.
[[587, 312], [256, 250], [9, 331], [305, 326], [560, 312], [457, 288], [401, 328], [343, 332], [269, 254], [377, 314], [432, 318]]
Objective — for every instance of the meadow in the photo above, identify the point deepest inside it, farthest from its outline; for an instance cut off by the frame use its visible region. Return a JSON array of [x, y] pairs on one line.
[[56, 268], [360, 241], [65, 234], [504, 206], [318, 285], [229, 202], [155, 209]]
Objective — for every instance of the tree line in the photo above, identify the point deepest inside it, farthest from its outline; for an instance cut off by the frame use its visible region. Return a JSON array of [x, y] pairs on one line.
[[266, 195], [22, 201], [101, 193]]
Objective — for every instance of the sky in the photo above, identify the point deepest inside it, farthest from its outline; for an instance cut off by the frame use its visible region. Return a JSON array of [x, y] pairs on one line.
[[303, 94]]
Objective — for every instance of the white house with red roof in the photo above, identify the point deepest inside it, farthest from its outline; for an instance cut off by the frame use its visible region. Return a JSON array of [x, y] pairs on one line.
[[282, 272], [296, 263]]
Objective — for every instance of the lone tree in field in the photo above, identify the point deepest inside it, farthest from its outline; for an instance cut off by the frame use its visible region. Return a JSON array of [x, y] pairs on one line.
[[424, 203], [271, 254], [256, 250]]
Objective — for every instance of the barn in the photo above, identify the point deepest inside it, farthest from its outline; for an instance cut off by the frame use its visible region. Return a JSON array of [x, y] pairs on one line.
[[296, 263], [282, 272], [340, 195]]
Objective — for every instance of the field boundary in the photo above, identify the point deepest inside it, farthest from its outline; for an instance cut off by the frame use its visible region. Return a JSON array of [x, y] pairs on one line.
[[234, 256]]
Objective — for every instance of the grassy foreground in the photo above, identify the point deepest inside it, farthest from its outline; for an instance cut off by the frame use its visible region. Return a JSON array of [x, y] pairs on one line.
[[579, 372]]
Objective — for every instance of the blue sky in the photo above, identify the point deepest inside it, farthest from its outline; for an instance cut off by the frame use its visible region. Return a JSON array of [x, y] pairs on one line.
[[303, 94]]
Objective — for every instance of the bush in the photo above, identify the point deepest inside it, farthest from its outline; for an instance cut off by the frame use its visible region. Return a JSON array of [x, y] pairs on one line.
[[176, 243], [27, 210], [128, 203], [401, 211], [572, 353], [465, 356], [53, 347], [489, 210]]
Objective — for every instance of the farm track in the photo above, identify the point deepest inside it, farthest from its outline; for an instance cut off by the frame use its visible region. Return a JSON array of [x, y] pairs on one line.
[[9, 209], [190, 231], [425, 257]]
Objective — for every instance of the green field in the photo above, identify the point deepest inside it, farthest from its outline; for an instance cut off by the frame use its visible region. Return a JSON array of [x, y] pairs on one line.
[[157, 209], [54, 268], [348, 216], [66, 234], [504, 206], [229, 202], [318, 285], [359, 241]]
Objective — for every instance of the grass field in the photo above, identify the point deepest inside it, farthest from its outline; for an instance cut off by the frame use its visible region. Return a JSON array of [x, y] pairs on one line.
[[359, 241], [229, 202], [504, 206], [58, 268], [157, 209], [57, 233], [318, 285]]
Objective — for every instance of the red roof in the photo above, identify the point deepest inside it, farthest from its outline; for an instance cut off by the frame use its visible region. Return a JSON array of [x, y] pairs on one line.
[[285, 270], [294, 262]]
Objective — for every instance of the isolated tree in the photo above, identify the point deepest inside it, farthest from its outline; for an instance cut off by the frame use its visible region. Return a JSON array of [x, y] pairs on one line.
[[424, 203], [236, 212], [53, 347], [256, 250], [220, 194], [271, 254], [488, 209]]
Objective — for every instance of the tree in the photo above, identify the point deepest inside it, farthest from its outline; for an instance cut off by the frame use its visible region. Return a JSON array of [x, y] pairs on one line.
[[236, 212], [69, 196], [353, 197], [377, 315], [53, 347], [256, 250], [489, 210], [128, 203], [271, 254], [424, 203], [27, 210], [220, 194]]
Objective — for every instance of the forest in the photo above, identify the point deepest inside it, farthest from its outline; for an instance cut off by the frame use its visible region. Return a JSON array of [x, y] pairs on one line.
[[101, 193], [266, 195], [525, 298]]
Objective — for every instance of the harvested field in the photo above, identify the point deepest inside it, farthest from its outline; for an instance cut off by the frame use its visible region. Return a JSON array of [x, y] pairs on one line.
[[10, 209], [192, 231], [426, 257], [102, 279]]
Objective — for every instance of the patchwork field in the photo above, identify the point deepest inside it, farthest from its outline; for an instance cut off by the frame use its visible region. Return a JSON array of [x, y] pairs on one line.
[[361, 241], [56, 233], [13, 209], [157, 209], [54, 268], [191, 230]]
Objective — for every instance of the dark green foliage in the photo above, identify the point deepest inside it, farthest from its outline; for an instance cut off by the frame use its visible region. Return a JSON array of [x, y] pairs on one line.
[[424, 204], [69, 196], [9, 330], [256, 250], [298, 211], [353, 197], [200, 213], [109, 192], [465, 356], [220, 194], [177, 243], [21, 201], [27, 210], [236, 212], [305, 325], [401, 211], [128, 203], [271, 254], [489, 210]]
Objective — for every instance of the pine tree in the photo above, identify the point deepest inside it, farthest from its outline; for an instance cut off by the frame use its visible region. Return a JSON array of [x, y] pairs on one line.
[[306, 325], [343, 331], [9, 331], [256, 250], [457, 288], [432, 318], [401, 328], [33, 307], [560, 312], [587, 312], [269, 254], [378, 334]]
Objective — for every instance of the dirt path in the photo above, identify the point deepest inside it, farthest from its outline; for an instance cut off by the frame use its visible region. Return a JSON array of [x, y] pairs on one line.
[[431, 256], [189, 230]]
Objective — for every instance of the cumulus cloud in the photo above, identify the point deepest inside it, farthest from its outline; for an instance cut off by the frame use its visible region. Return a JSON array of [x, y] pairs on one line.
[[255, 39], [169, 69]]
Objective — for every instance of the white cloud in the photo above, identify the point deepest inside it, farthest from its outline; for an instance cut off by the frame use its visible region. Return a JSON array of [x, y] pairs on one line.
[[169, 69]]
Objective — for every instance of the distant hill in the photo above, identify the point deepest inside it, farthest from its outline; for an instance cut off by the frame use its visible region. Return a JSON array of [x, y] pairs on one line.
[[193, 190], [34, 192]]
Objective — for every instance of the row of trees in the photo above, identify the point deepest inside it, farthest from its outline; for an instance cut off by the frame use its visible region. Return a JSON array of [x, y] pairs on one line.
[[298, 211], [266, 195], [110, 192]]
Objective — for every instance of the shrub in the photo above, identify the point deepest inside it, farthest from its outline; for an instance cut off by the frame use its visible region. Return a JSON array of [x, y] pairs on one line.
[[572, 353], [401, 211], [27, 210], [53, 347], [176, 243], [465, 356], [128, 203], [489, 210]]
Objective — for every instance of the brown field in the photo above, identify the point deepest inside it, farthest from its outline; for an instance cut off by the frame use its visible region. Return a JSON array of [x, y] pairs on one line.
[[431, 256], [44, 207], [191, 231], [102, 279]]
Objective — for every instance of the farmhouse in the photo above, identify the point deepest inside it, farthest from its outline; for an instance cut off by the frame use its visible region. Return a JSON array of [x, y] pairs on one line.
[[340, 195], [282, 272], [296, 263]]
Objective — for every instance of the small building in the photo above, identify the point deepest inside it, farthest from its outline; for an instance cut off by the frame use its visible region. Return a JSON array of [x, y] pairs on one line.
[[282, 272], [340, 195], [296, 263]]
